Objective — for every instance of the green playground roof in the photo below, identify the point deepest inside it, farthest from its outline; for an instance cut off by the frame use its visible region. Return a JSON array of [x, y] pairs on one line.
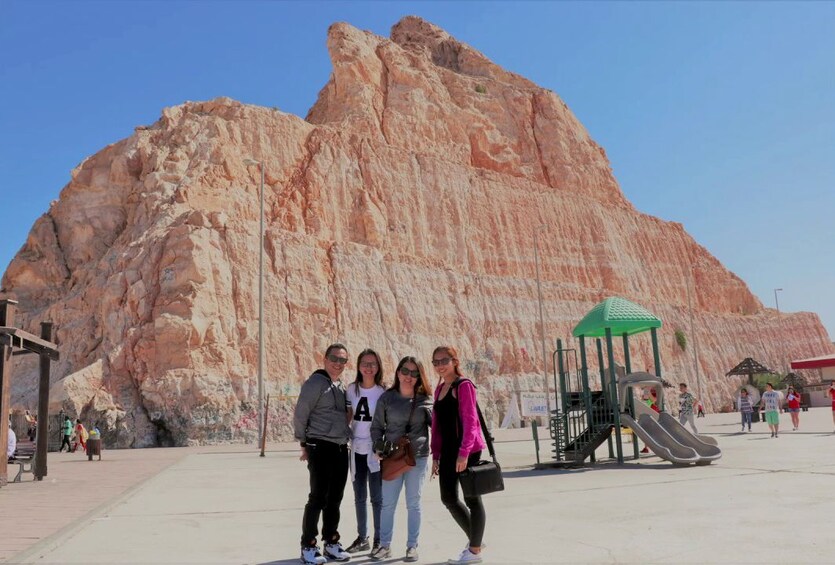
[[619, 315]]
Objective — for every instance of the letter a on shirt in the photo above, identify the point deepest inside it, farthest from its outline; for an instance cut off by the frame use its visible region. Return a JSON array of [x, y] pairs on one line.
[[362, 413]]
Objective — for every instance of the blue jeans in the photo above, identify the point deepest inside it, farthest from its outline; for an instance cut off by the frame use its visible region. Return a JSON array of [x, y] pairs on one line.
[[746, 418], [365, 481], [413, 479]]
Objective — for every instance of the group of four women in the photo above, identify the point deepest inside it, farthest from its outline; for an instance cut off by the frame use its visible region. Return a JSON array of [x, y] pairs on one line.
[[342, 429]]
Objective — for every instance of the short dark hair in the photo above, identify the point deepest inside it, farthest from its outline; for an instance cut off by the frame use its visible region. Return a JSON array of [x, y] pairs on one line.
[[683, 384], [333, 346], [769, 384]]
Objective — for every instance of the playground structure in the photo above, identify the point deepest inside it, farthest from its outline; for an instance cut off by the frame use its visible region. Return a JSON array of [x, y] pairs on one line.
[[586, 418]]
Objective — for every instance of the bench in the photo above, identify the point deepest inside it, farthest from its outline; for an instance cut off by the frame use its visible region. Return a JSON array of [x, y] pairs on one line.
[[24, 458]]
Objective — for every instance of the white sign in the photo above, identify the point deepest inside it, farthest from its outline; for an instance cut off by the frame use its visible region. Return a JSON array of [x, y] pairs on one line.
[[534, 404], [511, 417]]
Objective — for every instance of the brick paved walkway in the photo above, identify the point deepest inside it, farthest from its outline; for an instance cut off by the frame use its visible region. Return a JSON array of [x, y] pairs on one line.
[[31, 511]]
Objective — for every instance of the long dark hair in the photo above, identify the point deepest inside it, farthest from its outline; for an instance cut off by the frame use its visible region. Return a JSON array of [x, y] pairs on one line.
[[421, 386], [378, 377]]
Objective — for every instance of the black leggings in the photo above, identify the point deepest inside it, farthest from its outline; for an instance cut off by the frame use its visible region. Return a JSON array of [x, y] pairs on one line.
[[472, 517]]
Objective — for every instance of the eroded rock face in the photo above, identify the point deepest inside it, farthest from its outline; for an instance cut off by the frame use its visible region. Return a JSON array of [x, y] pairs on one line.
[[400, 215]]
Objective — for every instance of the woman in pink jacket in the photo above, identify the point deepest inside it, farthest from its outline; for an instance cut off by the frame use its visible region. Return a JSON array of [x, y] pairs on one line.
[[457, 442]]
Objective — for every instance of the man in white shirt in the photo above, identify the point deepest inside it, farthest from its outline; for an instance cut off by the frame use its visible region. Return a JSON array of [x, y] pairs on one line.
[[12, 444], [771, 402]]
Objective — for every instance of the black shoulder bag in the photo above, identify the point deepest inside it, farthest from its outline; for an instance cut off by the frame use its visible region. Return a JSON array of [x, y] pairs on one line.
[[485, 476]]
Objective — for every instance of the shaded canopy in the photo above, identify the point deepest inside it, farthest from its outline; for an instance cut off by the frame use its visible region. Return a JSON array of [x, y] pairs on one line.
[[794, 380], [748, 367], [619, 315]]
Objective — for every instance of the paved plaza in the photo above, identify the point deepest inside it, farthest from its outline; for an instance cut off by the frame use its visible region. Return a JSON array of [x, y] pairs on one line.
[[766, 501]]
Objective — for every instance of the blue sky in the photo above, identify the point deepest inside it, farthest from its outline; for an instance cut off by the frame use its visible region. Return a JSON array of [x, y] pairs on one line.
[[717, 115]]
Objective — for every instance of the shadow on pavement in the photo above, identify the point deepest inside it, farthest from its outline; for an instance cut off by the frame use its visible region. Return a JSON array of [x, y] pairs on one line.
[[354, 559]]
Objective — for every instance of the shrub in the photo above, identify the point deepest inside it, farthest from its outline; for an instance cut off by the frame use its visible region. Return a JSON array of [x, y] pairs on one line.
[[481, 89], [681, 339]]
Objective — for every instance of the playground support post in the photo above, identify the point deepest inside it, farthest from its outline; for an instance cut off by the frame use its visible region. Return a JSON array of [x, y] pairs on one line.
[[628, 365], [656, 358], [584, 375], [613, 391], [604, 387], [42, 435], [559, 366]]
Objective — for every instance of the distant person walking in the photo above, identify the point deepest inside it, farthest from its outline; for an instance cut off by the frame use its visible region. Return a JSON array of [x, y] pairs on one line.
[[686, 403], [80, 436], [793, 403], [320, 425], [363, 395], [771, 403], [31, 425], [66, 427], [746, 409], [832, 396], [11, 443]]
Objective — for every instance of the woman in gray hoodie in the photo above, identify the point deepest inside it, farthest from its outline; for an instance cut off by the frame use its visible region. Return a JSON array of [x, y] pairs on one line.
[[404, 409]]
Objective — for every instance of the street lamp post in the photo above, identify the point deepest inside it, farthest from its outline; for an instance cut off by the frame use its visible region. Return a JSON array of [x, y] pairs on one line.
[[693, 335], [541, 316], [260, 307], [776, 303]]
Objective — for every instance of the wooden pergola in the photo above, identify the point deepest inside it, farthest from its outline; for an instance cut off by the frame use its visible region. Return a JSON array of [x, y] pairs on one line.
[[750, 368], [13, 342]]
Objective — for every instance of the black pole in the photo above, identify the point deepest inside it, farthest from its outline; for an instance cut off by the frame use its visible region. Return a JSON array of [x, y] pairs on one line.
[[42, 438]]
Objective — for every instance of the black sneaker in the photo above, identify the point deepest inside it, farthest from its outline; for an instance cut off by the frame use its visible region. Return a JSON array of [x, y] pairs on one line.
[[360, 544]]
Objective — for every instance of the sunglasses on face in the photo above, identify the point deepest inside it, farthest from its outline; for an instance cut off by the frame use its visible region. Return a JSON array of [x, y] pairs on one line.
[[439, 362], [409, 373], [338, 360], [369, 365]]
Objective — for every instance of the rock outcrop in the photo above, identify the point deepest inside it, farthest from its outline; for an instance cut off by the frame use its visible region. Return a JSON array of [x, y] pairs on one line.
[[400, 214]]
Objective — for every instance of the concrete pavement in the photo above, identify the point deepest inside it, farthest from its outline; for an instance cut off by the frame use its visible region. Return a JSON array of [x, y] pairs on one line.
[[766, 501]]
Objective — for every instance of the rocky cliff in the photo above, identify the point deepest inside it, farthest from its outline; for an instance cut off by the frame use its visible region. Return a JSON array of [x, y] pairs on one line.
[[401, 214]]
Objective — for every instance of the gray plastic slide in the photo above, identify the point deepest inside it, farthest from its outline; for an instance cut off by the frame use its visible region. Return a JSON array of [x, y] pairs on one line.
[[664, 435]]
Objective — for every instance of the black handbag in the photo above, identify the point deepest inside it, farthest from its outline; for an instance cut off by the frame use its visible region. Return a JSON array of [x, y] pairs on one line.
[[485, 476]]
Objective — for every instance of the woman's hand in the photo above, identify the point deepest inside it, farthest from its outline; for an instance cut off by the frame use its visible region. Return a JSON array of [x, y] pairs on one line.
[[460, 464], [303, 456], [436, 465]]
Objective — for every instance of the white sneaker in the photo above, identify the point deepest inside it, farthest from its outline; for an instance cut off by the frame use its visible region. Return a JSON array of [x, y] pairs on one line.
[[466, 556], [311, 556], [411, 554], [335, 552]]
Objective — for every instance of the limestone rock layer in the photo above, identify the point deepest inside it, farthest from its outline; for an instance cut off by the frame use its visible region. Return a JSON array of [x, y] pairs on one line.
[[401, 214]]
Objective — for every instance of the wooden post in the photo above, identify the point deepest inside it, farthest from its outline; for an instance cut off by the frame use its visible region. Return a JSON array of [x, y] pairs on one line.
[[42, 438], [7, 315], [264, 431]]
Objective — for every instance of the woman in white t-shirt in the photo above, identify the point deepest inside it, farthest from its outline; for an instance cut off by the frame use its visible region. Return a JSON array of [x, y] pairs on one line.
[[363, 394]]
